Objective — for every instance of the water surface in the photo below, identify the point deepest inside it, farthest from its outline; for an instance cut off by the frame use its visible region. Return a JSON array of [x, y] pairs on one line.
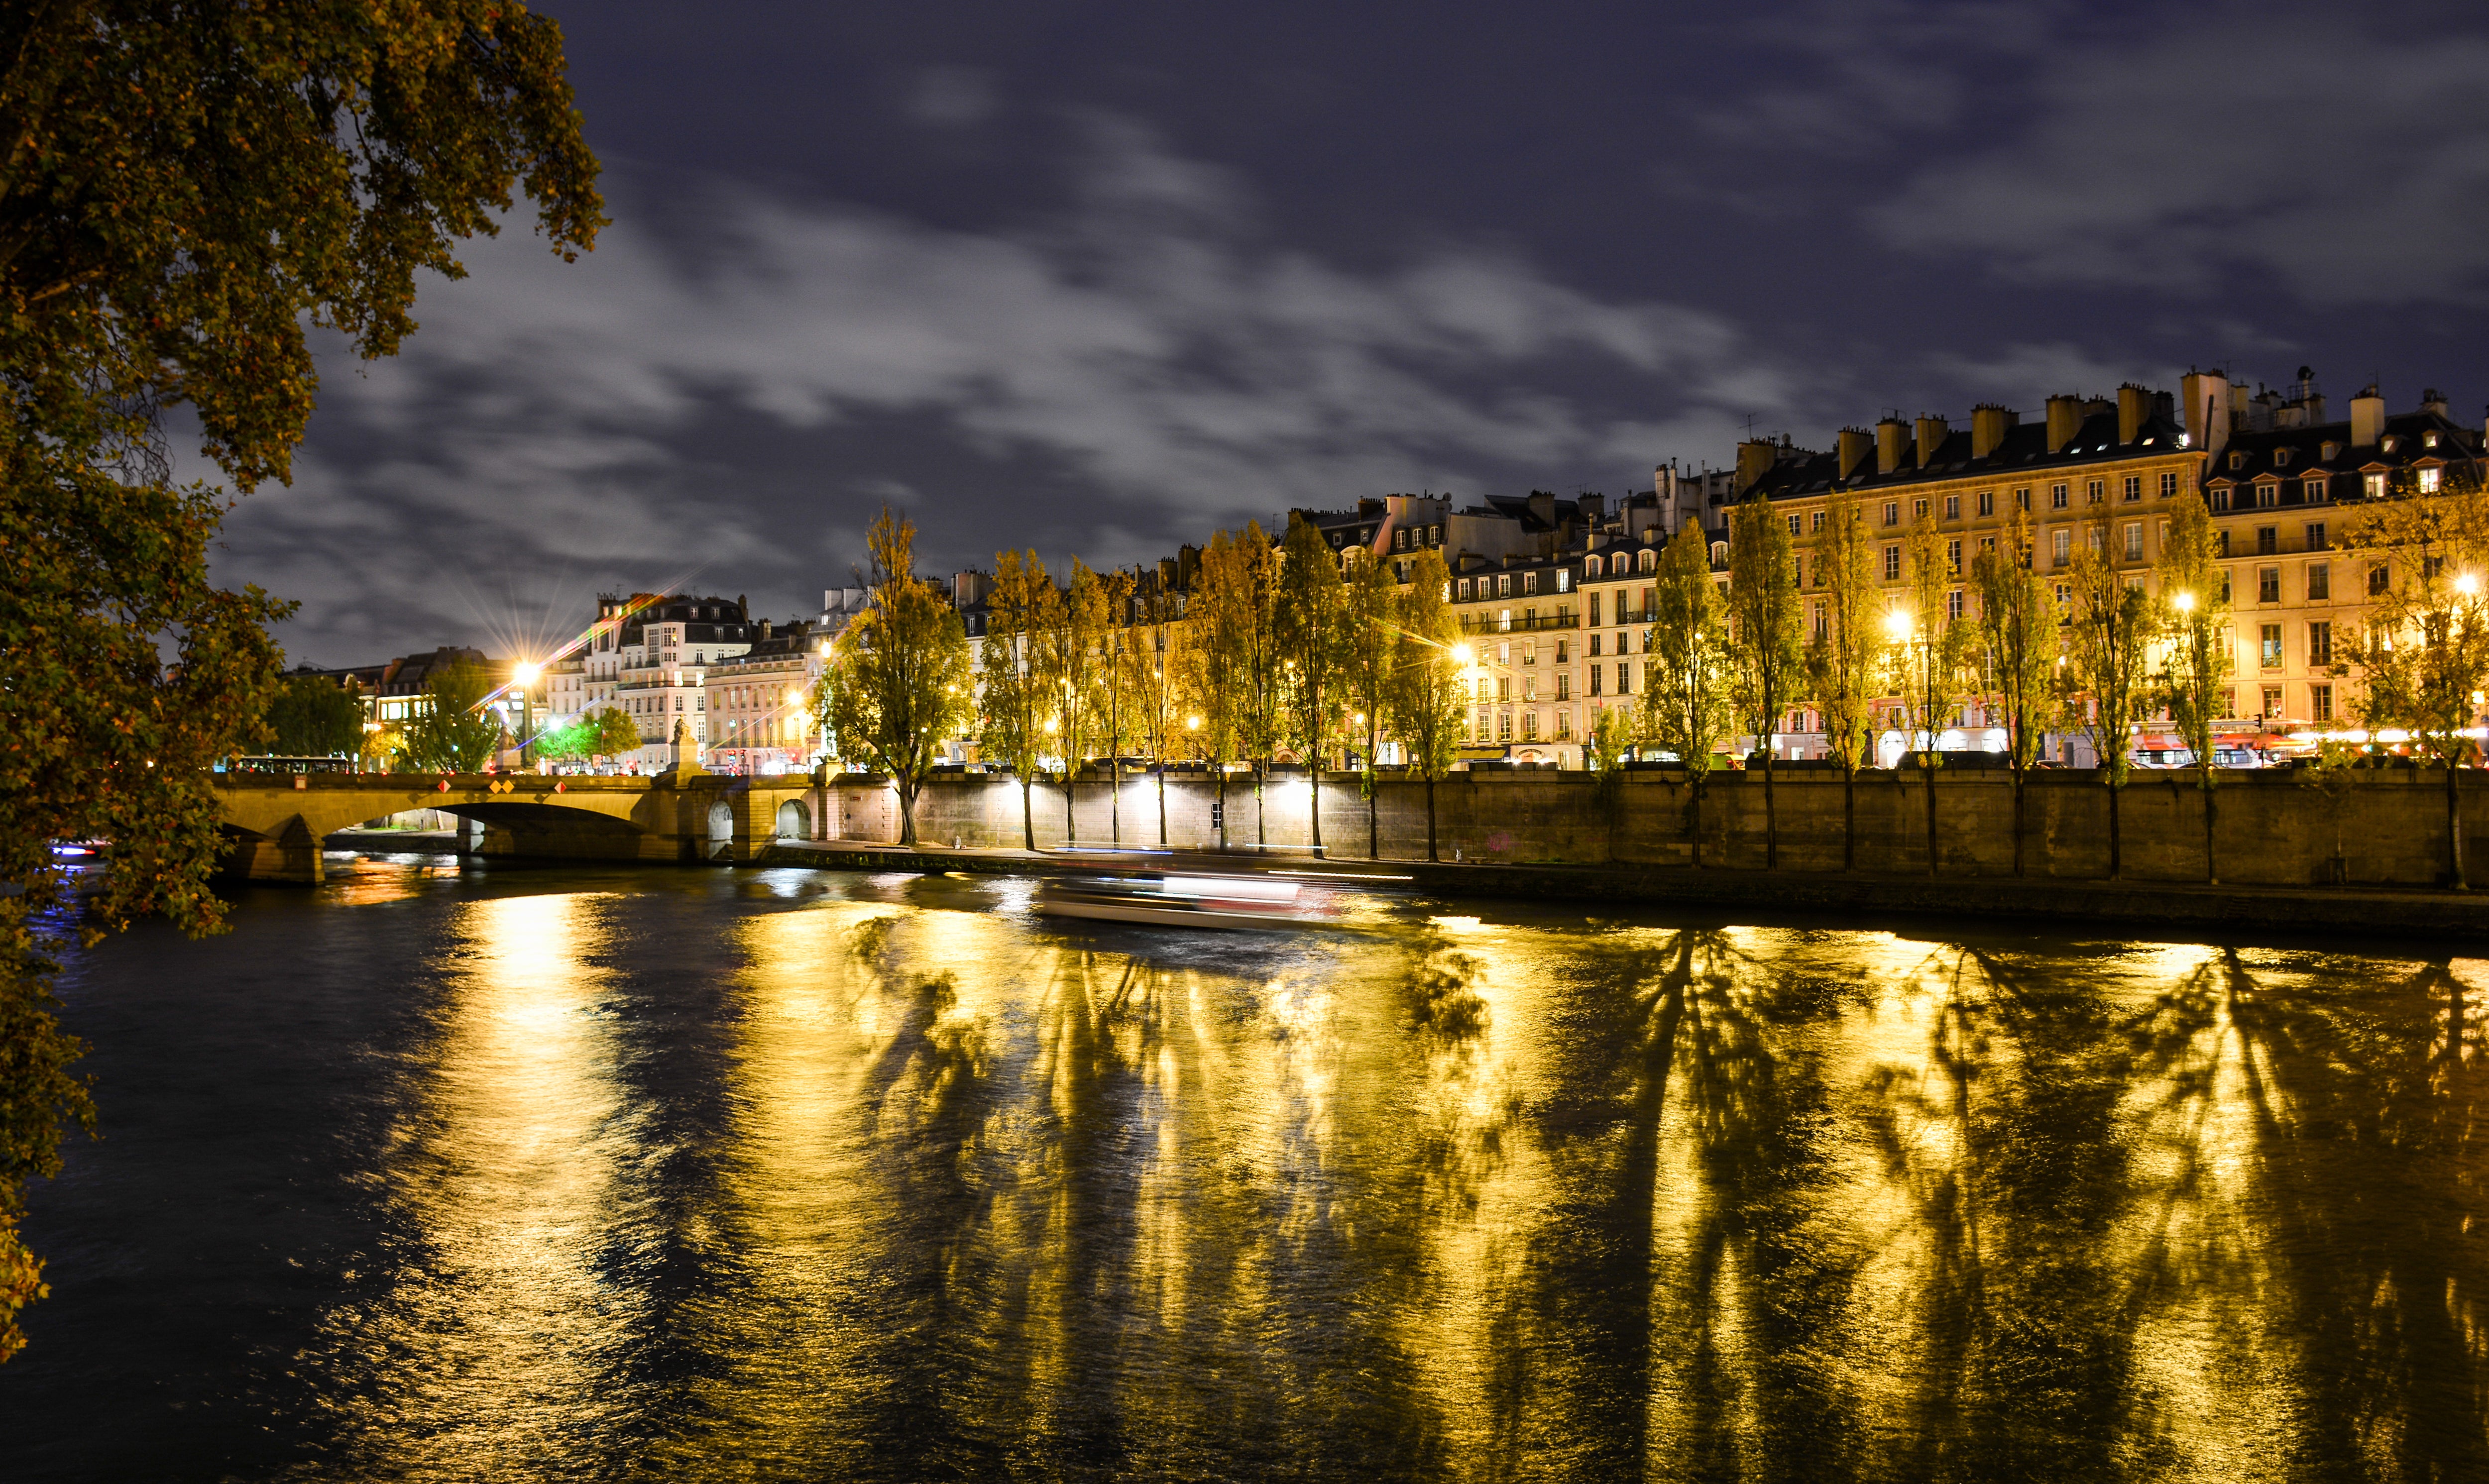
[[446, 1174]]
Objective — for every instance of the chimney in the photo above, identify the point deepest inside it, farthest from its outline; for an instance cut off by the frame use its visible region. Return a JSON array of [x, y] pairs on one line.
[[2368, 418], [1988, 424], [1932, 436], [2433, 401], [2207, 422], [1856, 445], [1755, 458], [2065, 420], [1888, 445], [764, 628], [2133, 408]]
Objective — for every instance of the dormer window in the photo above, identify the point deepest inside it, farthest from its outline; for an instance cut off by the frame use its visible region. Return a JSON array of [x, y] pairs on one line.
[[2387, 443], [2238, 460], [2281, 457], [2428, 440], [2330, 451]]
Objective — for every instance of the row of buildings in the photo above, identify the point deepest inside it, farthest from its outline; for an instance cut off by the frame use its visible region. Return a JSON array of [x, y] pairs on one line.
[[1554, 594]]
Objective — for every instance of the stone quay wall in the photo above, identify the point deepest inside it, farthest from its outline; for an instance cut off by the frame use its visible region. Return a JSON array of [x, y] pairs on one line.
[[2388, 829]]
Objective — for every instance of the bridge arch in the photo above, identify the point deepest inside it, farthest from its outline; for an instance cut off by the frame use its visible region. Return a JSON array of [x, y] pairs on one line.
[[794, 820]]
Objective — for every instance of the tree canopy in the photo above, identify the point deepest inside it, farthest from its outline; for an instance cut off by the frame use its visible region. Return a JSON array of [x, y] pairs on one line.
[[315, 716], [184, 189]]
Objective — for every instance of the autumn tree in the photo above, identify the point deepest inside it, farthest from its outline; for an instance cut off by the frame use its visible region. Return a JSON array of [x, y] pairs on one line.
[[1157, 665], [2017, 627], [1368, 644], [2422, 652], [1429, 679], [1843, 657], [897, 686], [1069, 659], [1021, 607], [1685, 700], [1769, 655], [2108, 638], [1927, 659], [2194, 620], [1308, 624], [451, 730], [188, 188]]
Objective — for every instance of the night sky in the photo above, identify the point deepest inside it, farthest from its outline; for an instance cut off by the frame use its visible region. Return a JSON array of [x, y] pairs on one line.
[[1097, 278]]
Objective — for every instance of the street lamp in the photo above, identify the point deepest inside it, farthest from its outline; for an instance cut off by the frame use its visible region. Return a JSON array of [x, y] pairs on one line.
[[2467, 584], [524, 673], [1464, 656], [2185, 602]]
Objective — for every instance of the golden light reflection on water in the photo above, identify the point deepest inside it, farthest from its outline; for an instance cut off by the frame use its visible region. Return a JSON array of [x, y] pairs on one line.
[[1469, 1199]]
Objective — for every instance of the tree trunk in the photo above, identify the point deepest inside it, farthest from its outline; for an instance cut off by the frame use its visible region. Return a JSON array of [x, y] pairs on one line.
[[2211, 870], [1849, 817], [908, 816], [1070, 833], [1261, 809], [2454, 827], [1222, 807], [1693, 819], [1431, 853], [1928, 765], [1163, 834], [1027, 814], [1115, 802], [1316, 804], [2115, 868], [1373, 816], [1771, 818], [2018, 818]]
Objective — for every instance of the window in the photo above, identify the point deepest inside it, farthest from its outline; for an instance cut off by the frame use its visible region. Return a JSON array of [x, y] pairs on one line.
[[2320, 581], [1892, 512], [1465, 590], [1988, 501], [1953, 604], [2312, 490], [2134, 540], [2272, 701], [1504, 727], [2221, 543], [2428, 480], [1624, 678], [1595, 620], [2268, 540], [1952, 507], [2320, 643], [2057, 496], [2225, 584], [1795, 524], [2373, 486], [2268, 584], [1400, 540], [1592, 566], [1649, 563], [1918, 509], [2317, 535], [2061, 547], [2380, 579], [1892, 563], [2095, 490], [2133, 488], [2268, 647], [1820, 620], [1503, 585], [1814, 522], [2268, 496], [1597, 671], [1504, 687], [2238, 460], [1952, 557], [1564, 724], [1529, 583], [2169, 484], [2220, 500], [1719, 555], [2320, 702], [2022, 498]]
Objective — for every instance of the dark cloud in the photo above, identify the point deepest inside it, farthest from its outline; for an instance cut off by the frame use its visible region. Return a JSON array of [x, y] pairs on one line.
[[1097, 280]]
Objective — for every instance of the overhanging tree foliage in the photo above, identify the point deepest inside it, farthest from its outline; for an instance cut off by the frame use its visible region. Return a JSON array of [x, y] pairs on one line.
[[183, 187]]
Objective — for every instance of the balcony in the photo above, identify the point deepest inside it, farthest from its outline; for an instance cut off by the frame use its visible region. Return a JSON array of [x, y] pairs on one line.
[[1519, 623]]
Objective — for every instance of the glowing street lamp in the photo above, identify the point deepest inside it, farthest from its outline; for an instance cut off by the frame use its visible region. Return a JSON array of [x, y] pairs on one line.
[[1464, 656], [1896, 623], [2185, 602], [2467, 584]]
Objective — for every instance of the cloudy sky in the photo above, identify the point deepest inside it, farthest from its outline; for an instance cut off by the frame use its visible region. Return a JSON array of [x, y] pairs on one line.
[[1097, 278]]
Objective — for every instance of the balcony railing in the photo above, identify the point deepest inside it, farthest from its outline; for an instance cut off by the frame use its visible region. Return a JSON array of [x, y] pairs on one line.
[[1519, 623]]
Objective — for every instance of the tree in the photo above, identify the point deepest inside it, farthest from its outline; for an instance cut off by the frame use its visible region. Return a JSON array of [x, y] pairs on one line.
[[611, 733], [187, 186], [1308, 625], [1158, 664], [1115, 679], [1611, 739], [2195, 654], [1685, 701], [1369, 641], [1068, 656], [2017, 623], [1019, 609], [1763, 605], [2108, 635], [1429, 679], [1841, 659], [315, 716], [452, 732], [897, 686], [2423, 648], [1231, 677], [1261, 671], [1929, 658]]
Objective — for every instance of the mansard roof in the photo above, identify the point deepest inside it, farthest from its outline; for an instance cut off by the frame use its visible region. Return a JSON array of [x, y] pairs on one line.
[[2023, 453]]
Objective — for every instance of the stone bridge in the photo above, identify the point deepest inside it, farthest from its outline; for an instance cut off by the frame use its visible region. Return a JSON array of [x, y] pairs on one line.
[[275, 823]]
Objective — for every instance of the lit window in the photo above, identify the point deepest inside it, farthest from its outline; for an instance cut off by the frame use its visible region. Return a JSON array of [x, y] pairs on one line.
[[2428, 481]]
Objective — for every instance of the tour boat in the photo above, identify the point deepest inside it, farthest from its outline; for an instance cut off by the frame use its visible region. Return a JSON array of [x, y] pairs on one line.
[[1173, 899]]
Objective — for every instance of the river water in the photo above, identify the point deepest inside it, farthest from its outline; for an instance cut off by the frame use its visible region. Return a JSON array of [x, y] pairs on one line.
[[441, 1172]]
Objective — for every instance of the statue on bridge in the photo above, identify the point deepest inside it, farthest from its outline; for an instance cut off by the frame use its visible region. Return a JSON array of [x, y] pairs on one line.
[[686, 762]]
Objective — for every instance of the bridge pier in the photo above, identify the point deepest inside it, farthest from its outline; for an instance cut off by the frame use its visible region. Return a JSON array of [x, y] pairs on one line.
[[293, 856]]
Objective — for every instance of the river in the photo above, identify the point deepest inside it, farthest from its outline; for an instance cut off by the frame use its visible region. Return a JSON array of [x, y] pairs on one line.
[[449, 1172]]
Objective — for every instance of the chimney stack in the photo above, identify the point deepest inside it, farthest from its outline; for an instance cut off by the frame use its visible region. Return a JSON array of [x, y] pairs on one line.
[[1856, 445], [1988, 425], [2065, 420], [1755, 458], [2433, 401], [2133, 409], [1889, 432], [2368, 418], [2207, 421], [1932, 432]]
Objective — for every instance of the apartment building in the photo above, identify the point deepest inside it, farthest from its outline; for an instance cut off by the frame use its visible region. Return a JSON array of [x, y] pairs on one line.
[[758, 703], [659, 664]]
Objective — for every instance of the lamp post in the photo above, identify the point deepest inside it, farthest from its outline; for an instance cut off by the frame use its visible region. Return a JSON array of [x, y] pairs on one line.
[[1897, 626], [523, 675]]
